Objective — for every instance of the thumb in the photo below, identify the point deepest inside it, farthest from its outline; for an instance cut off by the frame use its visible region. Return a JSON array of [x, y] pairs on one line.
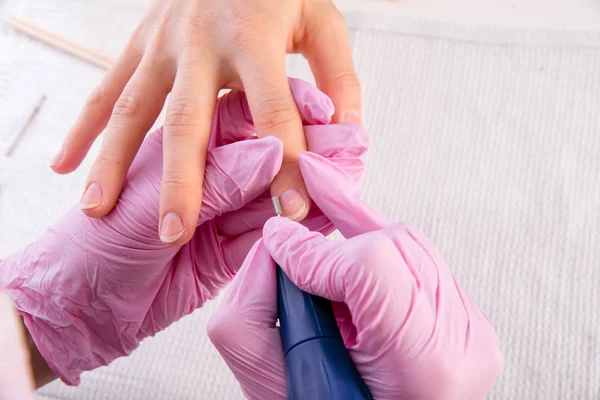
[[252, 294], [243, 328], [338, 196], [314, 106], [311, 261], [238, 173]]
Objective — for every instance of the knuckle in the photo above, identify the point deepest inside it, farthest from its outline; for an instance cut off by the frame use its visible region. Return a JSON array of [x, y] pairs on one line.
[[127, 106], [330, 23], [335, 20], [174, 181], [97, 97], [346, 80], [274, 110], [182, 113], [106, 158], [194, 30], [246, 26], [241, 36]]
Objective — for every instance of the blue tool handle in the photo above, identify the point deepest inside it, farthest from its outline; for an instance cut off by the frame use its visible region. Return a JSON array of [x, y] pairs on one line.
[[318, 364]]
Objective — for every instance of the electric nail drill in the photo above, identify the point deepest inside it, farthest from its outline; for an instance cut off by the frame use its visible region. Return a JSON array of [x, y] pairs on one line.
[[317, 362]]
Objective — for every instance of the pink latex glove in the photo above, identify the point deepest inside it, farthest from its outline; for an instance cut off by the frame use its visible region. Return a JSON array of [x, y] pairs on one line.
[[411, 330], [91, 289], [16, 382]]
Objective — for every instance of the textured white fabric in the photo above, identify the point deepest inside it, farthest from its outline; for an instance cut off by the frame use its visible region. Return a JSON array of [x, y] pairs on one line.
[[488, 139]]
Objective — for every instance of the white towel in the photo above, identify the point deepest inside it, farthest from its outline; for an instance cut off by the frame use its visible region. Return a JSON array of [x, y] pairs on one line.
[[488, 139]]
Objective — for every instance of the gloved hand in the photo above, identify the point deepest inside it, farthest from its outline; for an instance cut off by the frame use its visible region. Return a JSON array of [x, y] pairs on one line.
[[15, 372], [410, 328], [90, 290]]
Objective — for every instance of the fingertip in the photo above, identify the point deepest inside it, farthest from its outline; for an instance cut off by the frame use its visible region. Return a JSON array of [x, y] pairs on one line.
[[338, 196], [337, 140], [277, 224], [176, 227], [94, 202], [238, 173], [280, 232], [291, 190], [274, 150], [309, 162], [315, 107], [67, 160]]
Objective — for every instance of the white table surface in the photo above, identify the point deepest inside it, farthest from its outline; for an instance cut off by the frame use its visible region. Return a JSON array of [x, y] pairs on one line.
[[459, 109], [549, 14]]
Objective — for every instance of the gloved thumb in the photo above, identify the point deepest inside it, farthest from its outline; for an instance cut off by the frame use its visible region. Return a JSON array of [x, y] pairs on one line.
[[244, 331], [238, 173], [307, 258], [338, 196]]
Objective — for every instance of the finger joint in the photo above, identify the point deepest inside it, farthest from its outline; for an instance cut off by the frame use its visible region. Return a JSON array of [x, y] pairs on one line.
[[126, 106], [182, 113], [272, 111]]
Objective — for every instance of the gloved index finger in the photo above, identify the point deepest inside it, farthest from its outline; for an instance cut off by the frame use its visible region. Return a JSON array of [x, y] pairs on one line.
[[233, 119], [339, 197]]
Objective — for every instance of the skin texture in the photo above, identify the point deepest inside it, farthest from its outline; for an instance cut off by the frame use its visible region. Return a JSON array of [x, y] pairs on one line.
[[411, 330], [191, 49], [90, 289]]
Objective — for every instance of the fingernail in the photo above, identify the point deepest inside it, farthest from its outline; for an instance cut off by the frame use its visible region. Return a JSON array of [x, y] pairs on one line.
[[92, 197], [57, 158], [352, 117], [293, 204], [172, 228]]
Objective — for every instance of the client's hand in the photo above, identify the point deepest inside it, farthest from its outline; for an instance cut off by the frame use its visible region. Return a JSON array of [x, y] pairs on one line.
[[410, 328], [90, 290]]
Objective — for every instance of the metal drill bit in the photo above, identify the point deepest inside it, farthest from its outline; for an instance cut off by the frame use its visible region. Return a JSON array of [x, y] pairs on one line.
[[277, 205]]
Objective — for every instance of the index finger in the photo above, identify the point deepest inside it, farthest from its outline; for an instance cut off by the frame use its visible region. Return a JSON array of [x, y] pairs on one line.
[[186, 135]]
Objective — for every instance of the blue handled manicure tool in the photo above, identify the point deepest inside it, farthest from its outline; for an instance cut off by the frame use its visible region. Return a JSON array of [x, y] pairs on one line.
[[318, 364]]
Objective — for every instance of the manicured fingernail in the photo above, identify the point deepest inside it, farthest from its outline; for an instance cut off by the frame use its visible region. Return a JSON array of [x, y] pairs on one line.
[[92, 197], [172, 228], [352, 117], [57, 158], [293, 204]]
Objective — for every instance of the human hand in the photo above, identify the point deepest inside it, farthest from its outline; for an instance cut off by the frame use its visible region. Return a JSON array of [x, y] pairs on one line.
[[191, 49], [15, 372], [411, 330], [100, 286]]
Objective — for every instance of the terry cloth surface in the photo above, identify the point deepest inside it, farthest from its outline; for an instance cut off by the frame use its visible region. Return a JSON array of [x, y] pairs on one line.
[[487, 139]]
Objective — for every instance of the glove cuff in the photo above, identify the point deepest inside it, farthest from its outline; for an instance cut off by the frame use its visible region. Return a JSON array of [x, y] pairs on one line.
[[69, 339]]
